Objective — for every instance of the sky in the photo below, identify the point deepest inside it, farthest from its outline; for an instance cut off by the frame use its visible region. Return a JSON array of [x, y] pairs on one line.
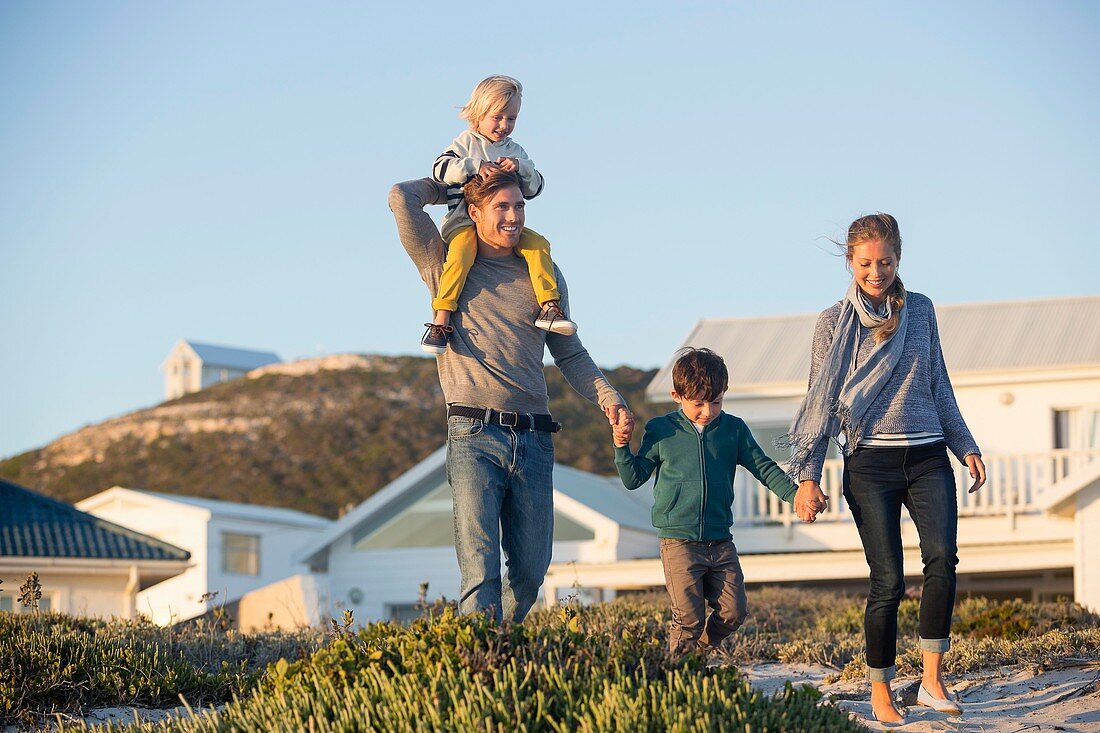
[[219, 171]]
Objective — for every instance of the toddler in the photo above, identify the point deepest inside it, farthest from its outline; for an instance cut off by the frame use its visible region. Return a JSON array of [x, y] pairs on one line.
[[485, 147]]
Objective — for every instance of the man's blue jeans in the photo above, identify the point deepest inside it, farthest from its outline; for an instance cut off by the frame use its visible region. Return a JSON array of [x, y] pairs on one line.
[[877, 482], [503, 498]]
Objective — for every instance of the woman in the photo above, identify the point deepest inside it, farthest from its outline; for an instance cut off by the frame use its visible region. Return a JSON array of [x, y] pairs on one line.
[[877, 375]]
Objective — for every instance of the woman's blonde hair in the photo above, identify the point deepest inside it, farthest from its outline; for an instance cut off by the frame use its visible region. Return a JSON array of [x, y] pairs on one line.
[[490, 95], [880, 227]]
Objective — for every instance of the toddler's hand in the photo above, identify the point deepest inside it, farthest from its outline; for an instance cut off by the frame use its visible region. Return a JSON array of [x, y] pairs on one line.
[[508, 164], [487, 168]]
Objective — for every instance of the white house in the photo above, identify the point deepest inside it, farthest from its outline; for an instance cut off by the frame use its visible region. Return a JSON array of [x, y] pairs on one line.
[[235, 548], [192, 366], [1027, 379], [376, 557], [86, 566]]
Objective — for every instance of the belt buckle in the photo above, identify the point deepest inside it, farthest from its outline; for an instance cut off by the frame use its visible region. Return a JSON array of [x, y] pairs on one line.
[[514, 417]]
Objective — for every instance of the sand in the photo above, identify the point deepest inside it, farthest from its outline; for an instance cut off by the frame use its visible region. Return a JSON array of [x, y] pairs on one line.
[[1010, 700]]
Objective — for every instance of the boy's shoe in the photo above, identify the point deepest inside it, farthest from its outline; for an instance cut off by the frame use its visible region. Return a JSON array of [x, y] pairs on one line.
[[435, 338], [552, 319]]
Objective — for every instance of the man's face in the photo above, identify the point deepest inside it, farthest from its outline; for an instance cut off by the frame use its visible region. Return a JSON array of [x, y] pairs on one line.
[[499, 221]]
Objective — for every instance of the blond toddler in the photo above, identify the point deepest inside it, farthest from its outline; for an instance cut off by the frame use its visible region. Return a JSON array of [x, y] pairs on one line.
[[485, 147]]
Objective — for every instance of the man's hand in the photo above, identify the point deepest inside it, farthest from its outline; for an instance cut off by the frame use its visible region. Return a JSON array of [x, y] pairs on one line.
[[487, 168], [977, 471], [809, 501], [508, 164]]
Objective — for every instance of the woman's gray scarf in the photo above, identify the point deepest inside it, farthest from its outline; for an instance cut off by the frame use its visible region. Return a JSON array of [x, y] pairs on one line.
[[842, 393]]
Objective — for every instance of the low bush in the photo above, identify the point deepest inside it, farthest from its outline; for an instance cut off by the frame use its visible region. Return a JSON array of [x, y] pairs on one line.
[[600, 668], [590, 670], [53, 663]]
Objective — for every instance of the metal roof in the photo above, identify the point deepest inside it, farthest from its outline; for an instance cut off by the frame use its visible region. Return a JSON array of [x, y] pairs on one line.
[[34, 525], [224, 356], [976, 337], [218, 507]]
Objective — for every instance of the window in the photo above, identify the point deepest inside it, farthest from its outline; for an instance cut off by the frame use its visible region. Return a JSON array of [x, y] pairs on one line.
[[1077, 428], [240, 553], [403, 613], [10, 602]]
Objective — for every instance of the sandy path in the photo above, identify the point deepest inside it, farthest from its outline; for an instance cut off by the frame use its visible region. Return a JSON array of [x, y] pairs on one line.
[[1011, 700]]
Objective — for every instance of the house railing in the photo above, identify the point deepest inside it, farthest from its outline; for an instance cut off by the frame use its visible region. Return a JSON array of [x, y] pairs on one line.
[[1015, 483]]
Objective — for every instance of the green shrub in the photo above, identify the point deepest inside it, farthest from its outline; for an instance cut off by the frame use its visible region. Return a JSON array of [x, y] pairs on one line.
[[53, 663], [590, 670]]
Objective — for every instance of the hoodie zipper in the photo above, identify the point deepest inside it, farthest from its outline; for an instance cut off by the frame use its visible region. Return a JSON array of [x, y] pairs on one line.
[[703, 469]]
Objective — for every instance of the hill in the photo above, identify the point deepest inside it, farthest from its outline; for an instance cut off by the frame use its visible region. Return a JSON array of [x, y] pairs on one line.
[[315, 435]]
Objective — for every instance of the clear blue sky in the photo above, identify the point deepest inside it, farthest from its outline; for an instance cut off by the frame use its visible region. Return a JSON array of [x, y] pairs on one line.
[[218, 171]]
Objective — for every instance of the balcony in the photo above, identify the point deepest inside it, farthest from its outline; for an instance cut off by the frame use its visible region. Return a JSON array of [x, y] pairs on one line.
[[1015, 484]]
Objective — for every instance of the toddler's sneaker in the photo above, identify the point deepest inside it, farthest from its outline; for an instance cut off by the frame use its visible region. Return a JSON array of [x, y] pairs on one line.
[[552, 318], [435, 338]]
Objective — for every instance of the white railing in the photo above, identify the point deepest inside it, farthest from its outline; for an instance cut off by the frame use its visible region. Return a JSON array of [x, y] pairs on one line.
[[1015, 481]]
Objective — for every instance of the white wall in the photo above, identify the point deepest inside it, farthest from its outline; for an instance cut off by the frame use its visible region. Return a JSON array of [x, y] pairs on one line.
[[278, 543], [81, 593], [393, 576], [1086, 571], [1025, 424], [388, 577], [175, 599]]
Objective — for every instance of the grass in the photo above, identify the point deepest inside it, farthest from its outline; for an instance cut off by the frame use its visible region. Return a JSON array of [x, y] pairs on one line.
[[601, 668]]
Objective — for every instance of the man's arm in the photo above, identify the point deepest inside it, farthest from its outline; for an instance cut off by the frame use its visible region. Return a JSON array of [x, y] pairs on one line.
[[576, 365], [415, 227]]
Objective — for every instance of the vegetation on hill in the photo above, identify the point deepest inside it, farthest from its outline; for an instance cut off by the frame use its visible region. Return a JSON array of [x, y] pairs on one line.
[[603, 667], [317, 442]]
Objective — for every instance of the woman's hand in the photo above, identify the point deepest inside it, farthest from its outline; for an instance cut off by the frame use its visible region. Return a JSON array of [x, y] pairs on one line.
[[977, 471], [809, 501]]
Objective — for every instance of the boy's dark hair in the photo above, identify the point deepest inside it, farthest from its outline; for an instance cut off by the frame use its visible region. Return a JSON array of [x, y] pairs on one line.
[[699, 374]]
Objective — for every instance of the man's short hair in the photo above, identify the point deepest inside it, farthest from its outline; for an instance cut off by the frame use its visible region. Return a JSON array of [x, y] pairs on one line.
[[480, 190], [699, 374]]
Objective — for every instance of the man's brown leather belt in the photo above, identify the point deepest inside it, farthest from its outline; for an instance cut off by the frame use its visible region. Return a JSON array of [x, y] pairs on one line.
[[515, 420]]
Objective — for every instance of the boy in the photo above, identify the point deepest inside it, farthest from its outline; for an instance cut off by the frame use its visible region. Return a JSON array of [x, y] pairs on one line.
[[695, 452]]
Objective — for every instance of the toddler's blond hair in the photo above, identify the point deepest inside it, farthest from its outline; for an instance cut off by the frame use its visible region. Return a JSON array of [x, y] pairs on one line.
[[490, 95]]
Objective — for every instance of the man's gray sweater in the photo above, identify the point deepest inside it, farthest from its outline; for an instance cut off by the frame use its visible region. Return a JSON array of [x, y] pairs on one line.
[[495, 354], [918, 397]]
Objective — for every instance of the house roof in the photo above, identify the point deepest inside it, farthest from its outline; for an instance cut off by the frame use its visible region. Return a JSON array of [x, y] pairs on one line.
[[34, 525], [225, 356], [217, 507], [598, 493], [976, 337]]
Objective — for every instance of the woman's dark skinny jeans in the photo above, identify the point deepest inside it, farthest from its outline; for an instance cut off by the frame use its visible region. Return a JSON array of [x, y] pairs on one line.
[[877, 482]]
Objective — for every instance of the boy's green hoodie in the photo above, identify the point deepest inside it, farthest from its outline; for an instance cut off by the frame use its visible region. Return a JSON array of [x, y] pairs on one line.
[[693, 497]]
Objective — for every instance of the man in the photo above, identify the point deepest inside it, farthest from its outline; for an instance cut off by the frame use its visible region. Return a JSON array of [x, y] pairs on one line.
[[500, 452]]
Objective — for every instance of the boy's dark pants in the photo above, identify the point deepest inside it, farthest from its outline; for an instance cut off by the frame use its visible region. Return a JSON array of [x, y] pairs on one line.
[[698, 574]]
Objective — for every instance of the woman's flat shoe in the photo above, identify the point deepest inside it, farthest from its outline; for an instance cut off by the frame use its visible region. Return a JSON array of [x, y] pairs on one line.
[[949, 706], [888, 724]]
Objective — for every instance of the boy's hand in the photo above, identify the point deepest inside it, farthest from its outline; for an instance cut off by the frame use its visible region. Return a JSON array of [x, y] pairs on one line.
[[508, 164], [487, 168], [622, 423]]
